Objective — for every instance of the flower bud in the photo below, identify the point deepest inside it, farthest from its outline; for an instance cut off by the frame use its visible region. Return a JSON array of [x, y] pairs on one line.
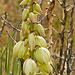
[[38, 8], [46, 68], [29, 21], [31, 40], [23, 50], [25, 56], [34, 9], [40, 41], [42, 55], [35, 12], [25, 14], [25, 42], [24, 2], [17, 48], [40, 29], [24, 27], [29, 67], [23, 37], [33, 17]]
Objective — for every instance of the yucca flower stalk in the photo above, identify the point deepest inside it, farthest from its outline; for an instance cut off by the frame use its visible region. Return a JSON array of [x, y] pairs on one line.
[[32, 43]]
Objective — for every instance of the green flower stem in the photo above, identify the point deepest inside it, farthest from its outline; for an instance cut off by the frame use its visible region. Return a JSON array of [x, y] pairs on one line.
[[31, 27], [31, 5], [31, 10]]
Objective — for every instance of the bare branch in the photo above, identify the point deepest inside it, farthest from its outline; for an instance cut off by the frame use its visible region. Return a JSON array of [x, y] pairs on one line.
[[72, 57], [44, 17], [41, 3], [10, 24], [61, 3], [3, 25], [72, 69], [54, 69], [62, 22], [71, 6], [53, 29], [66, 31], [11, 37], [55, 56], [73, 51], [39, 18]]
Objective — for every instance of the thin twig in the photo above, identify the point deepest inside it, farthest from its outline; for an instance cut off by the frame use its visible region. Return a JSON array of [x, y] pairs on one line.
[[39, 18], [61, 3], [41, 3], [72, 57], [62, 22], [73, 51], [10, 24], [11, 37], [54, 69], [72, 69], [44, 17], [53, 29], [3, 25], [72, 63], [55, 56], [69, 8]]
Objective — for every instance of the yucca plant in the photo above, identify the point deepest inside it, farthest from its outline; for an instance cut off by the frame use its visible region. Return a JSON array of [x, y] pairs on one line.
[[32, 47], [32, 50]]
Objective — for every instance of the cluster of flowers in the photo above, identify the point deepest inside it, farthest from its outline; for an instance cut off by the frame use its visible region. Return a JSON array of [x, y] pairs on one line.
[[32, 41]]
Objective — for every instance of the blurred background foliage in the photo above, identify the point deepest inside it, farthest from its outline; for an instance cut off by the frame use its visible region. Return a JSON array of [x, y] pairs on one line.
[[14, 11]]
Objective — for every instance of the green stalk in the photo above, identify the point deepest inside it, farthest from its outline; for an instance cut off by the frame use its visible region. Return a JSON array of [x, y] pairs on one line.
[[19, 69], [6, 63], [31, 10], [9, 59], [1, 65], [31, 6], [15, 66], [31, 27]]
